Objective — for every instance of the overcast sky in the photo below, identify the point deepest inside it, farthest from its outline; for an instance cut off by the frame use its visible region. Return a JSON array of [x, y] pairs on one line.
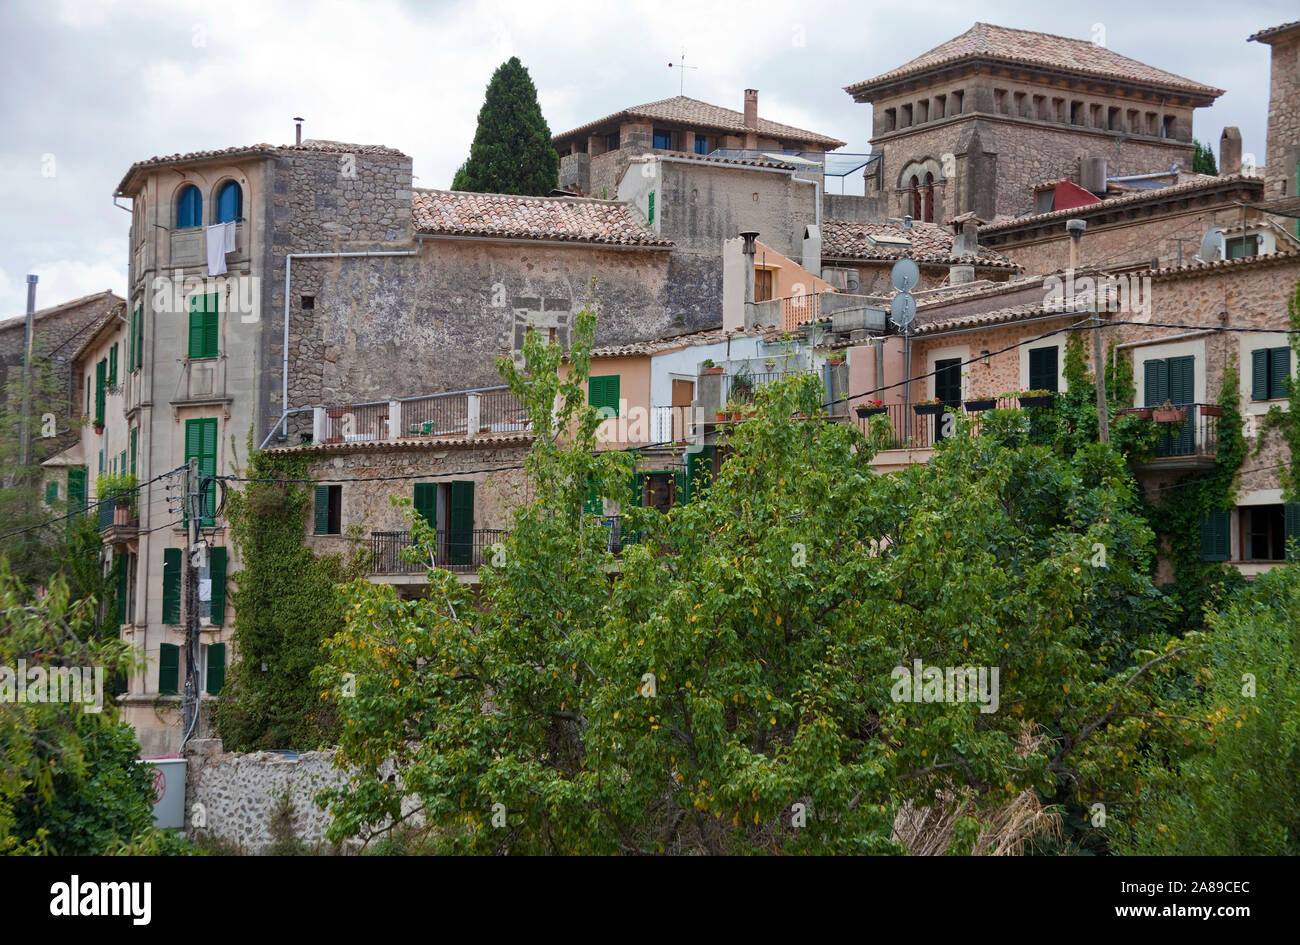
[[89, 88]]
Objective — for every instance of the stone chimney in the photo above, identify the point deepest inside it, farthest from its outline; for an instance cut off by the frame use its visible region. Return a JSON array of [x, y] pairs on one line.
[[1230, 150], [1092, 175], [751, 118]]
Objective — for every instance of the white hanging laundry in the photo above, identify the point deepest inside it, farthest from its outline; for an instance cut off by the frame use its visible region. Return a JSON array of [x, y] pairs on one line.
[[216, 235], [230, 236]]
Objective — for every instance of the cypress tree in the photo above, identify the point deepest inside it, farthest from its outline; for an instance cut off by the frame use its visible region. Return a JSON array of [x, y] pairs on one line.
[[512, 151]]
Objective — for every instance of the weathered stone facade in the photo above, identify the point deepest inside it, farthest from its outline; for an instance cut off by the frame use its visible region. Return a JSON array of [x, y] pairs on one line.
[[1282, 163]]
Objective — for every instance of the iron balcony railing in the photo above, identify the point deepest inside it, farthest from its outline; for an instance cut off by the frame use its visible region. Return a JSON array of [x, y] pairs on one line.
[[1196, 434], [457, 551], [906, 428]]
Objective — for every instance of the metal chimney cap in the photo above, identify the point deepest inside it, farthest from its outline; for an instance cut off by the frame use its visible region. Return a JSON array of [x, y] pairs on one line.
[[749, 236], [1076, 227], [31, 278]]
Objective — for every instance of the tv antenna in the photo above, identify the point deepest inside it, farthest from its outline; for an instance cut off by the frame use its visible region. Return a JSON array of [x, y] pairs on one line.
[[681, 66]]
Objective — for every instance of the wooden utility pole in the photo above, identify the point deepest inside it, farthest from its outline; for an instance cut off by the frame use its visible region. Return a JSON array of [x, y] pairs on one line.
[[193, 560]]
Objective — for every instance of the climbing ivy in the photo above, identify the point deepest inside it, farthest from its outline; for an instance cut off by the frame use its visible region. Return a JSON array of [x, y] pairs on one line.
[[287, 602], [1288, 421]]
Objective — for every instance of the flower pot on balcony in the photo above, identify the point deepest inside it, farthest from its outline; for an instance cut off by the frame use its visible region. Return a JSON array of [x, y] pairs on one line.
[[929, 410], [723, 416], [982, 403], [871, 411], [1142, 413], [1211, 410], [1175, 415], [1043, 401], [716, 369], [99, 429], [121, 514]]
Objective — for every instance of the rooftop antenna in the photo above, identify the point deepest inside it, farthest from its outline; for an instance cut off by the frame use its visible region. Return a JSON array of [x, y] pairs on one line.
[[681, 66]]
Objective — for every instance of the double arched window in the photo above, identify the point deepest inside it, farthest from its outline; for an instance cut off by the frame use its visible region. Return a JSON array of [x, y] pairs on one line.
[[189, 208], [230, 203], [922, 194]]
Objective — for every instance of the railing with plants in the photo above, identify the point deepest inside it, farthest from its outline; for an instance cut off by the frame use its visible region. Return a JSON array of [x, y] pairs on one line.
[[922, 424], [1186, 430], [457, 550]]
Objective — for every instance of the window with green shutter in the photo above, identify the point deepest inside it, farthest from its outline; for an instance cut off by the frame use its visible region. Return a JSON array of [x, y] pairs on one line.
[[460, 523], [426, 503], [169, 669], [101, 462], [121, 462], [51, 492], [201, 444], [327, 510], [77, 488], [217, 572], [594, 503], [139, 338], [130, 339], [171, 595], [134, 440], [119, 566], [216, 668], [203, 326], [101, 381], [1270, 373], [699, 473], [1043, 368], [112, 365], [603, 394], [1216, 535], [1292, 529], [651, 203]]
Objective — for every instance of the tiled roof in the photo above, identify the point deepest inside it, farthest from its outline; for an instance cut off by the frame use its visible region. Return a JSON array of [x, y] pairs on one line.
[[691, 111], [660, 345], [1201, 182], [1061, 53], [568, 219], [412, 444], [1078, 305], [110, 298], [930, 243], [1289, 257], [1263, 36], [250, 150]]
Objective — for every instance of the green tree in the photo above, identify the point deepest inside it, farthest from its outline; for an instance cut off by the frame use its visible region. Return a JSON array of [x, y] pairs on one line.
[[512, 151], [1203, 160], [740, 658]]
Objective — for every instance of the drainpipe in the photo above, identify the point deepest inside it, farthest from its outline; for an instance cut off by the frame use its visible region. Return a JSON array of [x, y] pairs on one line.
[[29, 333], [284, 365]]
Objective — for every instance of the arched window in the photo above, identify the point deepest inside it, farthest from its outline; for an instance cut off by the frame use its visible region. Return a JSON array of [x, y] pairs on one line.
[[929, 198], [230, 202], [189, 208], [915, 187]]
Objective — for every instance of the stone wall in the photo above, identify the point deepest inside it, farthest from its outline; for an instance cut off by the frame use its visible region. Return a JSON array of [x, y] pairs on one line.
[[1284, 119], [236, 796]]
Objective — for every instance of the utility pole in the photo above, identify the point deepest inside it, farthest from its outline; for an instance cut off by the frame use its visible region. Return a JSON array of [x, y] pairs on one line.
[[25, 420], [194, 552]]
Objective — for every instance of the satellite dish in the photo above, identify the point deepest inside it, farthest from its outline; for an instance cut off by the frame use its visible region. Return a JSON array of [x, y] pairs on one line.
[[905, 275], [1212, 244], [903, 309]]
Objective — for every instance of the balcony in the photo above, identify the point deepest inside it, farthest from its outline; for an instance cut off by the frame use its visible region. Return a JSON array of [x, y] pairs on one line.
[[456, 413], [1187, 436], [846, 312], [457, 551], [904, 428], [118, 523]]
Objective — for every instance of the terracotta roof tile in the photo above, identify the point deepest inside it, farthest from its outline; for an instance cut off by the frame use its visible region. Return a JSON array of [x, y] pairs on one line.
[[660, 345], [989, 42], [570, 219], [691, 111], [930, 243], [1264, 36]]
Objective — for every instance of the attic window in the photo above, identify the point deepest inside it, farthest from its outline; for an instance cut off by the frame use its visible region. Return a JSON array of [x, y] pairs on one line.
[[308, 302], [885, 239]]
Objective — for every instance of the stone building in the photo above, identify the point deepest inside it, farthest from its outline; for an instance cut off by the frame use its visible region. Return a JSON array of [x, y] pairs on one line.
[[1282, 160], [975, 123], [594, 156]]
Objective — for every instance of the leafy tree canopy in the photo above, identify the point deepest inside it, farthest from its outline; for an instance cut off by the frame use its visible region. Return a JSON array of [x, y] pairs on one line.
[[512, 151]]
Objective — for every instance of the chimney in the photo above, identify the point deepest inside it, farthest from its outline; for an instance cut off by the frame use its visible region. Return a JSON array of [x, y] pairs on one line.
[[751, 108], [1092, 175], [1230, 150], [297, 133], [1075, 228]]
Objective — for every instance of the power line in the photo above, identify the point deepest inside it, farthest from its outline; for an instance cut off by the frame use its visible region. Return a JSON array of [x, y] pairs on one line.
[[85, 510]]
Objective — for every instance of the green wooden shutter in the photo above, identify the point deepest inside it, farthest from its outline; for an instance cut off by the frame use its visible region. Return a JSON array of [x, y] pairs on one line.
[[1292, 526], [1155, 382], [77, 488], [51, 491], [101, 462], [426, 503], [169, 669], [1043, 373], [216, 667], [119, 564], [203, 326], [217, 571], [201, 444], [321, 510], [1259, 374], [130, 340], [594, 503], [134, 443], [101, 378], [171, 595], [1216, 535], [1279, 372], [699, 472], [121, 462], [603, 393], [638, 488], [112, 365], [681, 493], [139, 337], [651, 204], [460, 523]]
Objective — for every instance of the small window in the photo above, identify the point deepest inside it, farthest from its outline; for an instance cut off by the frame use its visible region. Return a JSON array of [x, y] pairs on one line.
[[612, 142], [764, 289], [1021, 109], [1270, 373], [1265, 530], [923, 111], [1168, 127], [1043, 368], [1076, 112], [1000, 101], [308, 303], [1114, 119], [189, 208], [1239, 247], [958, 102], [603, 394], [230, 203], [663, 140], [328, 512], [701, 144], [905, 117], [891, 119], [205, 328]]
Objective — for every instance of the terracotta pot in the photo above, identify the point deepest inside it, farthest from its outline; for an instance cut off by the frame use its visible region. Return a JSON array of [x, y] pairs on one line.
[[1211, 410], [1170, 416], [713, 370], [1142, 413]]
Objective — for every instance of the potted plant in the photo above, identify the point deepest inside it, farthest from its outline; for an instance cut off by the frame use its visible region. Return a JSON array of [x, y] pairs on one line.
[[981, 403], [871, 408], [710, 367], [1211, 410], [117, 490], [929, 408], [1142, 413], [1168, 413], [835, 359], [1036, 398], [742, 384]]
